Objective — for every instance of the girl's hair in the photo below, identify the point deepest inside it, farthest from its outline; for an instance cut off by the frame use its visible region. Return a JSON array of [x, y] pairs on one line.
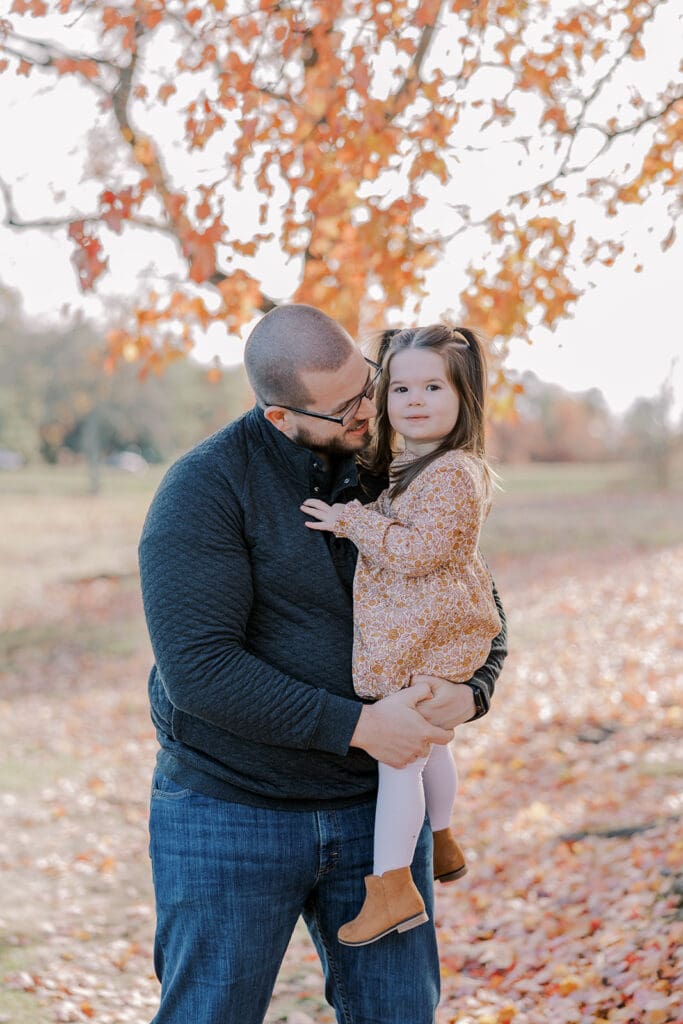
[[463, 354]]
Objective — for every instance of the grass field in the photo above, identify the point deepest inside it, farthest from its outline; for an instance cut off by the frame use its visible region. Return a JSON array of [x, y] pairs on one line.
[[590, 565], [53, 530]]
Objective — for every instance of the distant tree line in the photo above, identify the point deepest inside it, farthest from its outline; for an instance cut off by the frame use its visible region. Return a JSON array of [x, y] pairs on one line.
[[57, 403], [550, 424]]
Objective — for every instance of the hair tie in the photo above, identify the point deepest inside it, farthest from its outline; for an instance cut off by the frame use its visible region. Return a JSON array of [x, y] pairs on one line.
[[459, 337]]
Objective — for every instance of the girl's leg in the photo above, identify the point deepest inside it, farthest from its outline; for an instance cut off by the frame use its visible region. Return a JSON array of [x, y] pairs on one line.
[[441, 783], [440, 778], [399, 816]]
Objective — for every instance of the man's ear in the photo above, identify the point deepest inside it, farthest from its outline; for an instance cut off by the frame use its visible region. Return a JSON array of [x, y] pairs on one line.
[[276, 415]]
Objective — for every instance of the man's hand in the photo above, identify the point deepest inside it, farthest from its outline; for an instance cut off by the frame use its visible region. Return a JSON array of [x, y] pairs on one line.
[[451, 704], [395, 732], [326, 515]]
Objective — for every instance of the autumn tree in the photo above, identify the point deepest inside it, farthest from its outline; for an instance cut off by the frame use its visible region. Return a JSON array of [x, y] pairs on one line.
[[651, 436], [320, 150], [551, 424]]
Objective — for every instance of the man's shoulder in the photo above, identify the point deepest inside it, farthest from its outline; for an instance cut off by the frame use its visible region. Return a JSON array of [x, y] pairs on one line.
[[220, 460], [229, 448]]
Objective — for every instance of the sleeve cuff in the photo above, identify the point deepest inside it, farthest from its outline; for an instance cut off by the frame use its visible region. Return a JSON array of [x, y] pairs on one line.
[[343, 527], [336, 725]]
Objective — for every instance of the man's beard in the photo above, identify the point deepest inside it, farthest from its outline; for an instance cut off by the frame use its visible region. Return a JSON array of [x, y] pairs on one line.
[[336, 446]]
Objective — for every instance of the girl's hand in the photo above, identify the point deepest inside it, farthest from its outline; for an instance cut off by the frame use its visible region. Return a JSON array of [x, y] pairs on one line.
[[326, 515]]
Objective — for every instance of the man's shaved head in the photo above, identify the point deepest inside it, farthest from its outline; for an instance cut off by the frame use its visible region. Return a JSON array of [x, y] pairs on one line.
[[286, 341]]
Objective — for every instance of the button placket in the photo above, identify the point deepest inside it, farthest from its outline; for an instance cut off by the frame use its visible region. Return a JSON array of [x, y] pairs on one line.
[[317, 477]]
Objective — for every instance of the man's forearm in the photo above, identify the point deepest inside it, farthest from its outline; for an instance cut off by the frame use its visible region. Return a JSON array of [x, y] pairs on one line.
[[484, 679]]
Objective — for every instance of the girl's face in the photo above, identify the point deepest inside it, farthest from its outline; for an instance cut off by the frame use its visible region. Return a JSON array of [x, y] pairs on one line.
[[422, 404]]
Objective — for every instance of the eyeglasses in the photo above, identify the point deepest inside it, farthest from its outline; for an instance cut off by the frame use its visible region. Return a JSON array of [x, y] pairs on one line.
[[352, 408]]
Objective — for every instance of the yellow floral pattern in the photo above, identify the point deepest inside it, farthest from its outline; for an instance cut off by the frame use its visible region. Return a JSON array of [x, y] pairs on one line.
[[422, 593]]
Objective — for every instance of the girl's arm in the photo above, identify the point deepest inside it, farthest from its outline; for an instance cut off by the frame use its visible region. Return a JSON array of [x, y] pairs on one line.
[[449, 517]]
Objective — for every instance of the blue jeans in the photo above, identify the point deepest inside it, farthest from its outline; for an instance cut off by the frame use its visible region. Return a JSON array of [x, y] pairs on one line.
[[231, 881]]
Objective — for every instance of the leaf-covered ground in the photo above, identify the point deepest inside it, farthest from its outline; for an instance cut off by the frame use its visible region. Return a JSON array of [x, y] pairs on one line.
[[570, 808]]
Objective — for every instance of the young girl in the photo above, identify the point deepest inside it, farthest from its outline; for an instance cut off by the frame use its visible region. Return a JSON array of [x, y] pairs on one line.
[[422, 594]]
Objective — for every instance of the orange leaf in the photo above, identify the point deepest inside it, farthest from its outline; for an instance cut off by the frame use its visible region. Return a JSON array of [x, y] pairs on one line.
[[110, 18], [36, 8], [558, 118], [152, 18], [637, 50], [165, 91], [427, 12], [669, 240], [67, 65]]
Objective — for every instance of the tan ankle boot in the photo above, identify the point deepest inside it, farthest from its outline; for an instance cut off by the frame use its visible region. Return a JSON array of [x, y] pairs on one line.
[[392, 903], [449, 860]]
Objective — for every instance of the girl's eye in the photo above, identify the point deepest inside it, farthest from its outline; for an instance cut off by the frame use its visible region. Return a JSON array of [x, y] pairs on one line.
[[433, 387], [399, 389]]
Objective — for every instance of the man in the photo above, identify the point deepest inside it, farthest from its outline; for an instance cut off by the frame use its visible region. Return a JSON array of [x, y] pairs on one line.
[[263, 795]]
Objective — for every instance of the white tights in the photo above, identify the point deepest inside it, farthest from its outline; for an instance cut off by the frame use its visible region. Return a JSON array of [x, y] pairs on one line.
[[401, 799]]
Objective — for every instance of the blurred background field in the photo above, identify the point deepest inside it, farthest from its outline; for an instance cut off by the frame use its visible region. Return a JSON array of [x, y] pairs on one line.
[[55, 531], [587, 558]]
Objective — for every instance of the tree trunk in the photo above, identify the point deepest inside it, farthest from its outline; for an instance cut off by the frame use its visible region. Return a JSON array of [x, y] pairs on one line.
[[93, 450]]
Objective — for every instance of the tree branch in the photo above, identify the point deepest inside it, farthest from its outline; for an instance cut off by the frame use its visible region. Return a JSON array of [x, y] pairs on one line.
[[185, 29], [606, 77], [565, 171], [48, 55], [637, 125], [415, 68], [12, 220], [175, 225]]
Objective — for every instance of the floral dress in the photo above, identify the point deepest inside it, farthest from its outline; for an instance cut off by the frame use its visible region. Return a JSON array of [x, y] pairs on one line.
[[423, 601]]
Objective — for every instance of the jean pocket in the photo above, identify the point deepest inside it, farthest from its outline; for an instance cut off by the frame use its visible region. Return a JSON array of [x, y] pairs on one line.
[[166, 789]]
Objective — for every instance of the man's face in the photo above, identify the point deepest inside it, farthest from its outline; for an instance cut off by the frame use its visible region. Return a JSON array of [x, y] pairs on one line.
[[332, 393]]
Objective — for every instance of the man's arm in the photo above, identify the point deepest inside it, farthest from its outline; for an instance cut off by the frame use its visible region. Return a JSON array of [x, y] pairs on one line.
[[454, 703], [485, 678], [197, 590]]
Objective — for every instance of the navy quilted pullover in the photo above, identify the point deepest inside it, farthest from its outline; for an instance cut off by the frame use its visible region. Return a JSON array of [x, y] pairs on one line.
[[250, 618]]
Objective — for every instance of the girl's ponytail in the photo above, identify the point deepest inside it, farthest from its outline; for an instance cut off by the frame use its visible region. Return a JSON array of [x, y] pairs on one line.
[[385, 339]]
